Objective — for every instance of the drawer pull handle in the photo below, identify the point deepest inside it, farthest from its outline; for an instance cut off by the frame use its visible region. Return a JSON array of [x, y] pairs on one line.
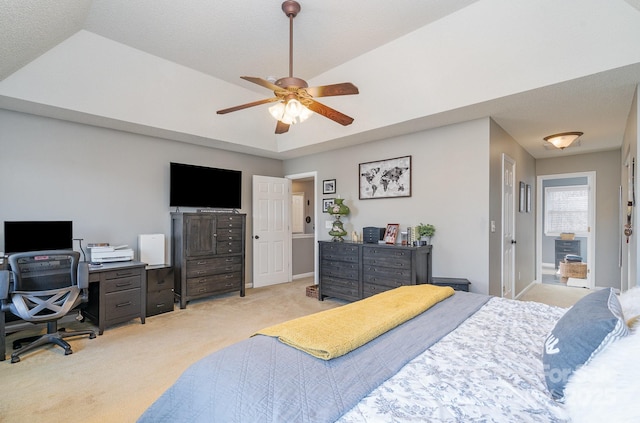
[[123, 274], [160, 305], [202, 262], [128, 303], [120, 284]]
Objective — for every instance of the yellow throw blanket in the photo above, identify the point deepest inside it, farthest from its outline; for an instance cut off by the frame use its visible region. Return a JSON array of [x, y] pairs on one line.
[[332, 333]]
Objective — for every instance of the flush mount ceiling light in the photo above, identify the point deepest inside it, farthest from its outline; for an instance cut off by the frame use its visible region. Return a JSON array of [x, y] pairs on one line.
[[563, 140]]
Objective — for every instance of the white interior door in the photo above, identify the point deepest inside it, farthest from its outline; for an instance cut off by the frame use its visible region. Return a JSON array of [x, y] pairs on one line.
[[271, 230], [508, 226]]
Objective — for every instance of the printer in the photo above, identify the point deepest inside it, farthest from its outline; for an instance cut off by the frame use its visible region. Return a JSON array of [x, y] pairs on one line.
[[108, 254]]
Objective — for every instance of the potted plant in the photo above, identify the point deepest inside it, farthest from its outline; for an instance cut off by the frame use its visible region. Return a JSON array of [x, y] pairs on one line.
[[426, 232]]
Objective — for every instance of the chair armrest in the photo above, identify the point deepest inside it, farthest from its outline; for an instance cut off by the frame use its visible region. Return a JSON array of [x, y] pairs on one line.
[[83, 275], [4, 284]]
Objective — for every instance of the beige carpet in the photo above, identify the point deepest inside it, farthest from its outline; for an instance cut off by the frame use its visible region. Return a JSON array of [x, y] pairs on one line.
[[555, 295], [116, 376]]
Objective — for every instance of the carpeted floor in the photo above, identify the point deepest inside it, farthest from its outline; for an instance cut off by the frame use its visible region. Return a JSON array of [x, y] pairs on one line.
[[116, 376], [555, 295]]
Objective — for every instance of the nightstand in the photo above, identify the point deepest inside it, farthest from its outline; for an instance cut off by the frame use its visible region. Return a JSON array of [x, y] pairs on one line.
[[160, 296], [459, 284]]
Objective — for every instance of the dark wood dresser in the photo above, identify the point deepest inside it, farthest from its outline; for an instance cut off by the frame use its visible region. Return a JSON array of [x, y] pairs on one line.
[[352, 271], [208, 254]]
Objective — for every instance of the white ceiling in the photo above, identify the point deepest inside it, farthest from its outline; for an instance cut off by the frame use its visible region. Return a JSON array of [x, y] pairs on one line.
[[225, 40]]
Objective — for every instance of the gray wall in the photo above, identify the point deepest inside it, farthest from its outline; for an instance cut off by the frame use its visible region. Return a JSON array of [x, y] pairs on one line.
[[502, 142], [606, 164], [113, 185], [449, 189]]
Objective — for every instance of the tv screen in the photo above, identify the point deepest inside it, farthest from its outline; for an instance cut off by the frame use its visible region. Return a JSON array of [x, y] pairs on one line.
[[22, 236], [206, 187]]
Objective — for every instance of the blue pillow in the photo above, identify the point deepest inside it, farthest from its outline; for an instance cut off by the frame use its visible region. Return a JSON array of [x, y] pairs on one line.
[[585, 330]]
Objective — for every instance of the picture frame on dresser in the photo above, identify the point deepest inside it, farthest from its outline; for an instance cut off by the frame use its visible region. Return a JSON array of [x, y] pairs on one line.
[[391, 233], [329, 186], [390, 178]]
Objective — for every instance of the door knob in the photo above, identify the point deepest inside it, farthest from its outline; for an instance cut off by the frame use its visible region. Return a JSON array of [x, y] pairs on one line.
[[513, 241], [257, 237]]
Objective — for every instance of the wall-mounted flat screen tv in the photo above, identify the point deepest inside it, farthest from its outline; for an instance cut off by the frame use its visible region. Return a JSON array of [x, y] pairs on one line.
[[23, 236], [205, 187]]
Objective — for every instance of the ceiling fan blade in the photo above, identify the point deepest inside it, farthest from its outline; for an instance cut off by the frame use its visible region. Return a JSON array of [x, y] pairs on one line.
[[262, 82], [281, 128], [330, 113], [345, 88], [246, 106]]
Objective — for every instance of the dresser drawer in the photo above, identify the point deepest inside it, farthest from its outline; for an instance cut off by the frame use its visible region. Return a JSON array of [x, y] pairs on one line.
[[214, 283], [229, 234], [340, 269], [341, 252], [388, 276], [213, 265], [223, 222], [386, 257], [123, 304], [122, 284], [229, 247], [341, 288], [373, 289]]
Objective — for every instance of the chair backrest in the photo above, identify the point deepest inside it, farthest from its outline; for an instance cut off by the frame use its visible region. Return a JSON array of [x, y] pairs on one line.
[[45, 284], [44, 270]]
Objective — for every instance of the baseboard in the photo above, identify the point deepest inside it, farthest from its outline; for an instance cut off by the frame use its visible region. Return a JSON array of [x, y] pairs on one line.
[[303, 275], [528, 287]]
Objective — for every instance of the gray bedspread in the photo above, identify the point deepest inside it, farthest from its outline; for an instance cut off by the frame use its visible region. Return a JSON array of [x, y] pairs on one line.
[[263, 380]]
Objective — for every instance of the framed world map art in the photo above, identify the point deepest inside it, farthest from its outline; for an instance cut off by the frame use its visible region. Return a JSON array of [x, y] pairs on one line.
[[385, 178]]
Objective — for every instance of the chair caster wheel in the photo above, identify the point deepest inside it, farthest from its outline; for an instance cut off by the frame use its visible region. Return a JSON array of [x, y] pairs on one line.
[[15, 359], [68, 351], [93, 335]]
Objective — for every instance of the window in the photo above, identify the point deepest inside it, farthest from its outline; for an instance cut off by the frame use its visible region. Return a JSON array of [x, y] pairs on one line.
[[566, 209]]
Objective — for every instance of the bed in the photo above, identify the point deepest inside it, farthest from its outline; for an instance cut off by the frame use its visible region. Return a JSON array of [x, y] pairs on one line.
[[468, 358]]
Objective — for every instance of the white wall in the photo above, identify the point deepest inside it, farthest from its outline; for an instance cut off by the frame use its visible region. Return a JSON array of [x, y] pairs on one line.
[[449, 189], [113, 185]]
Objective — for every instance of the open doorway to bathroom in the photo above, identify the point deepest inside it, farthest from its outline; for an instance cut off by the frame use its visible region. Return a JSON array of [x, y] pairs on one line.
[[303, 225], [566, 229]]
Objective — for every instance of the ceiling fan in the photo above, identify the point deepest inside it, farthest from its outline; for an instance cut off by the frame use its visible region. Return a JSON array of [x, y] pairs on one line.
[[294, 97]]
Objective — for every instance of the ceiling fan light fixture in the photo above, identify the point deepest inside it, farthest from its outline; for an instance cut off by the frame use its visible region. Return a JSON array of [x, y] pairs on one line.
[[290, 113], [563, 139]]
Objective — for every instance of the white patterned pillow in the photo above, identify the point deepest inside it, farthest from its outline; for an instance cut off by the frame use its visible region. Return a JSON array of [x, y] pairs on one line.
[[630, 302], [584, 331], [606, 390]]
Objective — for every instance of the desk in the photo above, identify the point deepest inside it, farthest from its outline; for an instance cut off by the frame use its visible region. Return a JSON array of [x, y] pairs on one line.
[[117, 293]]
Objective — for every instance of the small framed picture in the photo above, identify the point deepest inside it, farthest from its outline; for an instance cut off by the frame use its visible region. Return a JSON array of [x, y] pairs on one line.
[[329, 186], [528, 199], [326, 203], [391, 233], [523, 201]]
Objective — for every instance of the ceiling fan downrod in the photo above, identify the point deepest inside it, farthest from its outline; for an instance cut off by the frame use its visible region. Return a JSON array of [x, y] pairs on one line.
[[291, 8]]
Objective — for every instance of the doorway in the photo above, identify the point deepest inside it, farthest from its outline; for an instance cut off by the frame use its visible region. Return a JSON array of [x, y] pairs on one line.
[[566, 229], [304, 248]]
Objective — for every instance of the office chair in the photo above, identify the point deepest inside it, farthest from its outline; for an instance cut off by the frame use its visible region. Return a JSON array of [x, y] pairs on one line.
[[46, 286]]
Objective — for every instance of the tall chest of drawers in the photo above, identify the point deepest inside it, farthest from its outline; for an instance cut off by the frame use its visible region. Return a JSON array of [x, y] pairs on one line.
[[208, 254], [353, 271]]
